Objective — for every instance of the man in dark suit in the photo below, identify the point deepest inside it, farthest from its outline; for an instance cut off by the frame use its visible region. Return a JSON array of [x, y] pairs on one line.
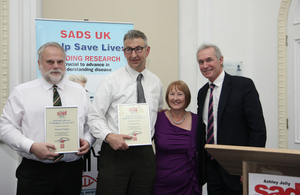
[[235, 117]]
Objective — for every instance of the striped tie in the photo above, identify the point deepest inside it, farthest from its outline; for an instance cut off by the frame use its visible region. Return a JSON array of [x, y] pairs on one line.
[[56, 102], [56, 97], [210, 120], [210, 123]]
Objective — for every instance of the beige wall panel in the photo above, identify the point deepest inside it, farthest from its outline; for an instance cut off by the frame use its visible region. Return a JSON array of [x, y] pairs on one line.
[[156, 18]]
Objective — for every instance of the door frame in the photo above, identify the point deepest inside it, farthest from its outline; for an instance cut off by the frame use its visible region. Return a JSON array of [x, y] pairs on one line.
[[282, 73]]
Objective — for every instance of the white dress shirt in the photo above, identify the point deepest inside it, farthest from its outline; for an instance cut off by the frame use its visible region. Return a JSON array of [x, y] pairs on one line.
[[119, 87], [23, 120], [216, 96]]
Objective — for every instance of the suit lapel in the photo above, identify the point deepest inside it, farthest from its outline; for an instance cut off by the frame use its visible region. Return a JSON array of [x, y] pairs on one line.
[[226, 88], [201, 99]]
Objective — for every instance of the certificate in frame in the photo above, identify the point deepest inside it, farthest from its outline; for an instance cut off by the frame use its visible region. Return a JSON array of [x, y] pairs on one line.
[[134, 120], [62, 128]]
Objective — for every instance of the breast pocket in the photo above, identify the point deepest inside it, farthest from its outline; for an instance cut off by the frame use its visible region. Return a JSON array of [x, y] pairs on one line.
[[153, 102]]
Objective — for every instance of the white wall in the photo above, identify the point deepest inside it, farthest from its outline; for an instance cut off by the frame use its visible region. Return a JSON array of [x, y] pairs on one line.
[[9, 162], [263, 57], [21, 52], [244, 30]]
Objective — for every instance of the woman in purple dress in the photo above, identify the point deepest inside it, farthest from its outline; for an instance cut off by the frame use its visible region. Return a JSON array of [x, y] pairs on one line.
[[175, 144]]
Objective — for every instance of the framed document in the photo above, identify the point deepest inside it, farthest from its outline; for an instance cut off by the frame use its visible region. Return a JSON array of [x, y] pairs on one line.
[[134, 120], [62, 128]]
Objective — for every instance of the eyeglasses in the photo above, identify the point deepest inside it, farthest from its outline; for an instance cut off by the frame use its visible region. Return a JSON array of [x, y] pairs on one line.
[[129, 50]]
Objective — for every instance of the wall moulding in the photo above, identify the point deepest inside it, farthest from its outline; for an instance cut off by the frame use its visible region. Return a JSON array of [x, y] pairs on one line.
[[4, 52], [282, 73]]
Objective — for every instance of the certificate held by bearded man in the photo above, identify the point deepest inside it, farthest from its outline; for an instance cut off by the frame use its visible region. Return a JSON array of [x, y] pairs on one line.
[[62, 128]]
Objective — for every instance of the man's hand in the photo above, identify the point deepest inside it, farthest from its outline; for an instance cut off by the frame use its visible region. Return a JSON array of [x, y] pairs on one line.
[[41, 150], [116, 141], [84, 147]]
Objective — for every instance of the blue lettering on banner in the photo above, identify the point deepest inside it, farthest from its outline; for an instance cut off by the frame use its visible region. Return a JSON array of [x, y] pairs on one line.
[[111, 48], [86, 47]]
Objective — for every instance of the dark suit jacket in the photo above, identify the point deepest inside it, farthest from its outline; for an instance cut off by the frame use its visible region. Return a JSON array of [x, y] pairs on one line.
[[240, 118]]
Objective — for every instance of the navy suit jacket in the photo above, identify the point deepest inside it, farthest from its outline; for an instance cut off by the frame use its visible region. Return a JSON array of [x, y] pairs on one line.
[[240, 118]]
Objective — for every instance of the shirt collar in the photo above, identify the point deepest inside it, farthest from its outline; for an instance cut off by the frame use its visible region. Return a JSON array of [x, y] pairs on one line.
[[48, 86], [219, 80], [134, 73]]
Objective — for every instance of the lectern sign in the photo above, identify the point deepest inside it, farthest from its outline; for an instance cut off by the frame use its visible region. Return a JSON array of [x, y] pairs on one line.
[[264, 184]]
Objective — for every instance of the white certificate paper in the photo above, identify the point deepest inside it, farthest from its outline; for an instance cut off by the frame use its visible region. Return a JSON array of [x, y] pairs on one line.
[[62, 128], [134, 120]]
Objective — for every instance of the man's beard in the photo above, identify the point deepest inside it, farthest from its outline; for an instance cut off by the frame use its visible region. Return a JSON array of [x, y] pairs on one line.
[[53, 79]]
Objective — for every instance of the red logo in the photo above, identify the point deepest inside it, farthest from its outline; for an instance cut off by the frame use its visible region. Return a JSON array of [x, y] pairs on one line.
[[88, 180], [133, 109], [62, 140], [61, 113], [263, 190]]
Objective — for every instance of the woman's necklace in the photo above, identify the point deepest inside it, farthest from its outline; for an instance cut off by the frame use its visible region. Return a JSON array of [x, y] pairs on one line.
[[178, 122]]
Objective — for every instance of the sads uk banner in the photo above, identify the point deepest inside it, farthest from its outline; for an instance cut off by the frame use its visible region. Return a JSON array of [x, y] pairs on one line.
[[94, 49], [265, 184]]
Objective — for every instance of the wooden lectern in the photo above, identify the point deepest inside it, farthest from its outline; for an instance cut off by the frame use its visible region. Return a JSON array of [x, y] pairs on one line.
[[240, 160]]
